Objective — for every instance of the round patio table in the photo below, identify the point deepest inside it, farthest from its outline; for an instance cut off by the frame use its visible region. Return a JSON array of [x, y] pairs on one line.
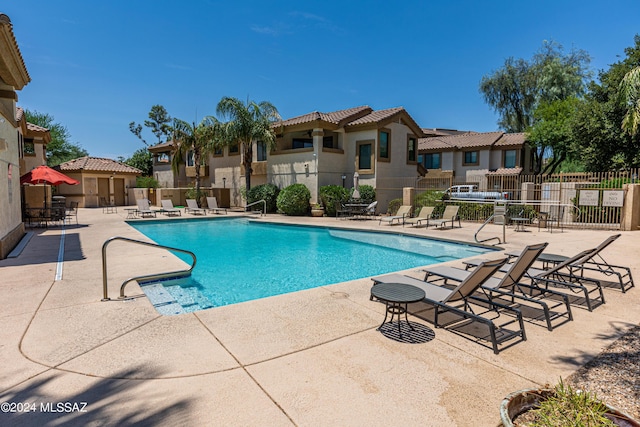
[[397, 296]]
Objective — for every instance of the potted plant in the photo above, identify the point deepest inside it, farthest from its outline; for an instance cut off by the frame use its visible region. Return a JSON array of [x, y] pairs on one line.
[[561, 405], [317, 210]]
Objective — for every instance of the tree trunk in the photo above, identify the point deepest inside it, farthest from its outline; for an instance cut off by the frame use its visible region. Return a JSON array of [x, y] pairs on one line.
[[247, 160]]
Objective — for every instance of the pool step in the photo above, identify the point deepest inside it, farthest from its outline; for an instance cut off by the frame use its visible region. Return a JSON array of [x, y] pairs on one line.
[[173, 299]]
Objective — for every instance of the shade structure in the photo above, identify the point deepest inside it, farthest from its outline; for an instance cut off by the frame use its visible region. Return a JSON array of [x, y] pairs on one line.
[[356, 186], [46, 175]]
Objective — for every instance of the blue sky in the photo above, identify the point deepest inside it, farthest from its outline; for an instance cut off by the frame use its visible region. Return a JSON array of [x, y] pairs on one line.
[[96, 66]]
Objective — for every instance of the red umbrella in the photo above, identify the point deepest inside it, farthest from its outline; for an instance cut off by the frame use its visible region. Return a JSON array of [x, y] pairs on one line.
[[46, 175]]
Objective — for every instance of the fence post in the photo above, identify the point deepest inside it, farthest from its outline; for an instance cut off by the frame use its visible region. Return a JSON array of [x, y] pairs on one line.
[[630, 220]]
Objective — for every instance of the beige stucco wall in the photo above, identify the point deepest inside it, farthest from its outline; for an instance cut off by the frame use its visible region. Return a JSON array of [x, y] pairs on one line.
[[38, 159], [10, 204], [86, 193]]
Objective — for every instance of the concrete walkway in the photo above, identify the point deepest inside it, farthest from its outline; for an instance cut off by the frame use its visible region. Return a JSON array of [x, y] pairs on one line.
[[310, 358]]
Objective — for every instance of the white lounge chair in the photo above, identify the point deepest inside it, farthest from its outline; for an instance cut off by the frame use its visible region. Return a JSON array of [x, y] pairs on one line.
[[193, 208], [144, 208], [168, 209], [424, 215], [450, 214], [212, 204], [403, 212]]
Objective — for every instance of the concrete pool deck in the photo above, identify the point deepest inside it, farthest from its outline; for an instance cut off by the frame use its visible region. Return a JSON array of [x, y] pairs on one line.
[[310, 358]]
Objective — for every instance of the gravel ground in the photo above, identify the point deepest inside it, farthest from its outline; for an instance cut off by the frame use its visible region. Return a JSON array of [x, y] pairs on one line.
[[614, 375]]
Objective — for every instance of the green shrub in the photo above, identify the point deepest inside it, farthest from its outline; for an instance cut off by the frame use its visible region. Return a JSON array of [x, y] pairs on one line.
[[394, 205], [146, 182], [329, 195], [199, 195], [367, 194], [294, 200], [267, 192], [428, 198]]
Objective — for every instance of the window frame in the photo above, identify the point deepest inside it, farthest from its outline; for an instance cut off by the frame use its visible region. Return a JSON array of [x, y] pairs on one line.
[[372, 156], [431, 156], [464, 158], [379, 145], [411, 137], [261, 148], [29, 142], [236, 149], [504, 158]]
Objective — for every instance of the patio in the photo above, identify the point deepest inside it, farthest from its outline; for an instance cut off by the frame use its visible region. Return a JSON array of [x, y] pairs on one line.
[[309, 358]]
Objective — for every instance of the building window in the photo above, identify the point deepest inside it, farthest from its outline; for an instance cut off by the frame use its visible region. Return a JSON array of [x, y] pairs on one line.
[[262, 151], [162, 158], [327, 142], [510, 158], [29, 147], [364, 156], [470, 158], [384, 142], [190, 161], [302, 143], [234, 149], [432, 161], [412, 149]]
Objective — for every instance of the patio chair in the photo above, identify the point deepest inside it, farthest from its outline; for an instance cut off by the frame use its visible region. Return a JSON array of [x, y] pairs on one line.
[[555, 215], [450, 214], [144, 208], [595, 262], [193, 208], [341, 210], [107, 207], [168, 209], [368, 212], [460, 299], [403, 212], [561, 277], [424, 215], [508, 287], [212, 205], [71, 212]]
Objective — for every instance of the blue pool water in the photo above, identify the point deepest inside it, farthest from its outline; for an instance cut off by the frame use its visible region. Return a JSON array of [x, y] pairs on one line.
[[241, 260]]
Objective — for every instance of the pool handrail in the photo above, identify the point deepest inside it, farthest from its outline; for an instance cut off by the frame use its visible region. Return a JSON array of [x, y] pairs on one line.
[[264, 206], [180, 273]]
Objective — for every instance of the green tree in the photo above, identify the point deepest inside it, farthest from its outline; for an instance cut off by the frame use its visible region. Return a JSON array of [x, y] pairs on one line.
[[598, 124], [247, 124], [630, 88], [141, 159], [59, 150], [159, 123], [195, 141], [552, 130], [521, 86]]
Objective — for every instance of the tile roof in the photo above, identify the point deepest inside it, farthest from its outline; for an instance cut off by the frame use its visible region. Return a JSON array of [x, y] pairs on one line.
[[461, 142], [376, 116], [335, 117], [19, 113], [97, 164], [161, 147], [512, 139], [506, 171], [35, 128], [12, 67]]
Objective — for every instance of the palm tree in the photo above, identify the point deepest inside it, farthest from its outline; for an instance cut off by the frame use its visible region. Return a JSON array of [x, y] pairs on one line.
[[194, 140], [630, 88], [247, 124]]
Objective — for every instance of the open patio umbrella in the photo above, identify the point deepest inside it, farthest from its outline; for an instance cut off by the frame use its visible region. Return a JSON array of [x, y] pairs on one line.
[[356, 186], [46, 175]]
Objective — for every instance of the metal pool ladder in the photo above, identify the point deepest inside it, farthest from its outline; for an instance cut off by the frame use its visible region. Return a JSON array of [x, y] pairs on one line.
[[179, 273]]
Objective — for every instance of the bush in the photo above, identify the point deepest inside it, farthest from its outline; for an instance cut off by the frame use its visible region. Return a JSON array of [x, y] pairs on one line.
[[267, 192], [367, 194], [294, 200], [146, 182], [394, 205], [329, 195], [199, 195]]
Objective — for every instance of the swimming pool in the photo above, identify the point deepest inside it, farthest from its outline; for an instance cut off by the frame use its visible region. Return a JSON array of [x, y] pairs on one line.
[[241, 260]]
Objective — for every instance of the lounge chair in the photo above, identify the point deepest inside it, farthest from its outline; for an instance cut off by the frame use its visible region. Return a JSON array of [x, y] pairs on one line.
[[144, 208], [193, 208], [450, 214], [168, 209], [212, 205], [560, 277], [403, 212], [424, 215], [460, 299], [508, 286], [595, 262], [368, 211]]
